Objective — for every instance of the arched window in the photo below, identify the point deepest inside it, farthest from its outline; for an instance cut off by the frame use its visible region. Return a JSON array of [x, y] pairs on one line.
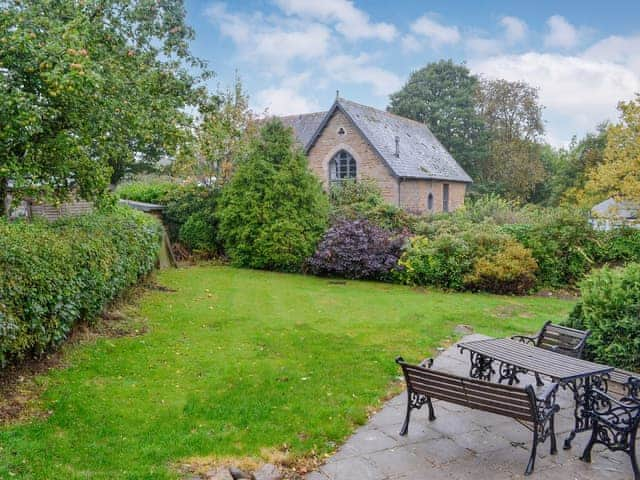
[[342, 167], [430, 201]]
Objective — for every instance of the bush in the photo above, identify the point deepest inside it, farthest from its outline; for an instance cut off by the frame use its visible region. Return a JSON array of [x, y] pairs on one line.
[[441, 262], [446, 259], [563, 243], [610, 308], [148, 189], [620, 245], [509, 270], [273, 211], [55, 275], [190, 218], [357, 249], [363, 194]]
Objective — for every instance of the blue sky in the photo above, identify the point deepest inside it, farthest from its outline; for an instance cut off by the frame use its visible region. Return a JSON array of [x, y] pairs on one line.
[[292, 55]]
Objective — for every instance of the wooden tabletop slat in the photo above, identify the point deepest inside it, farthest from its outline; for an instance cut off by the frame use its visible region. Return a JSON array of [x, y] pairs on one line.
[[560, 367]]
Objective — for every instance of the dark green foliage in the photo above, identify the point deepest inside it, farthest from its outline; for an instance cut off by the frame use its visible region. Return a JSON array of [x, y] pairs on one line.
[[443, 96], [55, 275], [563, 243], [610, 308], [273, 211], [194, 205], [357, 249]]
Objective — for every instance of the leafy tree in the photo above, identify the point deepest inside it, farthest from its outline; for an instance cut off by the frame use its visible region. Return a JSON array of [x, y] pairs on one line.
[[513, 116], [222, 137], [619, 173], [443, 96], [89, 89], [273, 210]]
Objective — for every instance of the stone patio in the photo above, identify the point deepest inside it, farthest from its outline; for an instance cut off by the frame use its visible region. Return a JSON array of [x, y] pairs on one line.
[[463, 444]]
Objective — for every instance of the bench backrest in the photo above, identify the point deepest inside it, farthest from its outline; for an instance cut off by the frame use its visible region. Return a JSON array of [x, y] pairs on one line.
[[561, 339], [503, 400]]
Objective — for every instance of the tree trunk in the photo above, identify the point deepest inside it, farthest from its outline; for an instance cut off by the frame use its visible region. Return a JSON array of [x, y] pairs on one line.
[[4, 197]]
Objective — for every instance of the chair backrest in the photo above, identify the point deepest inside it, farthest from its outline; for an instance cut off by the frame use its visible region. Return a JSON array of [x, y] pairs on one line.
[[561, 339], [503, 400]]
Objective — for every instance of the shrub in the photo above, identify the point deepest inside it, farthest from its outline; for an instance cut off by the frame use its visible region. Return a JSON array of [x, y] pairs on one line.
[[54, 275], [441, 262], [190, 218], [198, 233], [620, 245], [148, 189], [509, 270], [610, 308], [563, 243], [357, 249], [273, 211], [362, 194], [446, 259]]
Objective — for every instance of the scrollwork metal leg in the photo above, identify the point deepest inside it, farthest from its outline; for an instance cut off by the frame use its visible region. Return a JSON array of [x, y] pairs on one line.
[[532, 458], [509, 372], [415, 400], [481, 367]]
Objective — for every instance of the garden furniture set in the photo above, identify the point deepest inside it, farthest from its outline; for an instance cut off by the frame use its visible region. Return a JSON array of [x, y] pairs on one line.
[[554, 353]]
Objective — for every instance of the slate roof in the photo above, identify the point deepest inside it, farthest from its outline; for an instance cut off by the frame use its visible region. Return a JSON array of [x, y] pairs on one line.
[[617, 209], [421, 154]]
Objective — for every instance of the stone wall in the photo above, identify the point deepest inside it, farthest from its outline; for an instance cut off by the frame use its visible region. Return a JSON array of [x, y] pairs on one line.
[[409, 194], [414, 195], [368, 163]]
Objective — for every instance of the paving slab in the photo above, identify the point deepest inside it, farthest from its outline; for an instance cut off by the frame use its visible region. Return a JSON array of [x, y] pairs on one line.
[[464, 444]]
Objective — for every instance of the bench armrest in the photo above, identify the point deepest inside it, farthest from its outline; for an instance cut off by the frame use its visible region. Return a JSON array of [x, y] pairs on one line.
[[546, 402], [526, 339], [621, 415]]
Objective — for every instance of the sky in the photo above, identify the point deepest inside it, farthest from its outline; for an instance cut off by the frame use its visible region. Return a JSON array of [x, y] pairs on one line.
[[292, 55]]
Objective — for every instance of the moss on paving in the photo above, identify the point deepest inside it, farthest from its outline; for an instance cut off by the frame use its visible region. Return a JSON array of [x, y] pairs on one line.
[[238, 361]]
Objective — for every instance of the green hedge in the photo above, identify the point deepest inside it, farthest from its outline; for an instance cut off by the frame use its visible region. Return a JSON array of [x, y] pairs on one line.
[[53, 275], [610, 308], [149, 190]]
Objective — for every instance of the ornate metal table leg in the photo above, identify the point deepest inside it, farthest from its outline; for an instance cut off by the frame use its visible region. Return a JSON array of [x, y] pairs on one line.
[[579, 388], [481, 367], [509, 372]]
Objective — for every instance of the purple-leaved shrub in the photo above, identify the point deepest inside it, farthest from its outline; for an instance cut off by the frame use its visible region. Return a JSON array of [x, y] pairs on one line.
[[357, 249]]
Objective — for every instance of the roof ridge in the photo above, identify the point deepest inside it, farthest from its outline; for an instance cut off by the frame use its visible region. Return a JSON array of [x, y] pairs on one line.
[[301, 114], [388, 113]]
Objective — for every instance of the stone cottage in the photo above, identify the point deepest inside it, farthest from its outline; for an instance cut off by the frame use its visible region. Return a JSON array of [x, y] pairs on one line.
[[411, 167]]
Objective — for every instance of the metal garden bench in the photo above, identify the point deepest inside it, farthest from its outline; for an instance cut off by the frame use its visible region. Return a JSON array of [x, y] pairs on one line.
[[521, 404], [614, 424], [557, 338]]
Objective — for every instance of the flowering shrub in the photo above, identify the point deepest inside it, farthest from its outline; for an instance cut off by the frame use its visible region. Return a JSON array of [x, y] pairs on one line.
[[356, 249]]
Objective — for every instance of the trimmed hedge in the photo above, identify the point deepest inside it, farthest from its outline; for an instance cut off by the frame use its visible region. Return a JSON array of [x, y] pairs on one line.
[[610, 307], [53, 275]]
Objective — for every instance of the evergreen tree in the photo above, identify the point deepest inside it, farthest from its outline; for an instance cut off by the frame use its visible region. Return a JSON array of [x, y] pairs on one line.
[[273, 210]]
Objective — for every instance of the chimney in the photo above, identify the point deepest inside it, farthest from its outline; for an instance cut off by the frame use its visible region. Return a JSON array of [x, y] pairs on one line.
[[397, 146]]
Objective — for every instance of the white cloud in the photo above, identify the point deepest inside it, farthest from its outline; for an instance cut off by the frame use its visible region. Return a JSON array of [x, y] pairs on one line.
[[284, 101], [515, 30], [483, 46], [271, 41], [437, 33], [410, 44], [561, 33], [351, 22], [578, 92], [362, 70], [618, 49]]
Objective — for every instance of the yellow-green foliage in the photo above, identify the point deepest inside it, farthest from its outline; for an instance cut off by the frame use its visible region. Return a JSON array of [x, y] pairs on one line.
[[509, 270]]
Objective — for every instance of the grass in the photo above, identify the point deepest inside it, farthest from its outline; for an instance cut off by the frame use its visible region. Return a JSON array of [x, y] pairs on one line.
[[236, 362]]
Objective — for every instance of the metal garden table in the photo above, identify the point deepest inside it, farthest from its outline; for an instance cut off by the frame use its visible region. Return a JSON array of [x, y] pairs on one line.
[[514, 357]]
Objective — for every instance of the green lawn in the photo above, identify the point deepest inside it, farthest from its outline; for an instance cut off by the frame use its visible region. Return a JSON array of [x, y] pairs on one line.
[[237, 361]]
